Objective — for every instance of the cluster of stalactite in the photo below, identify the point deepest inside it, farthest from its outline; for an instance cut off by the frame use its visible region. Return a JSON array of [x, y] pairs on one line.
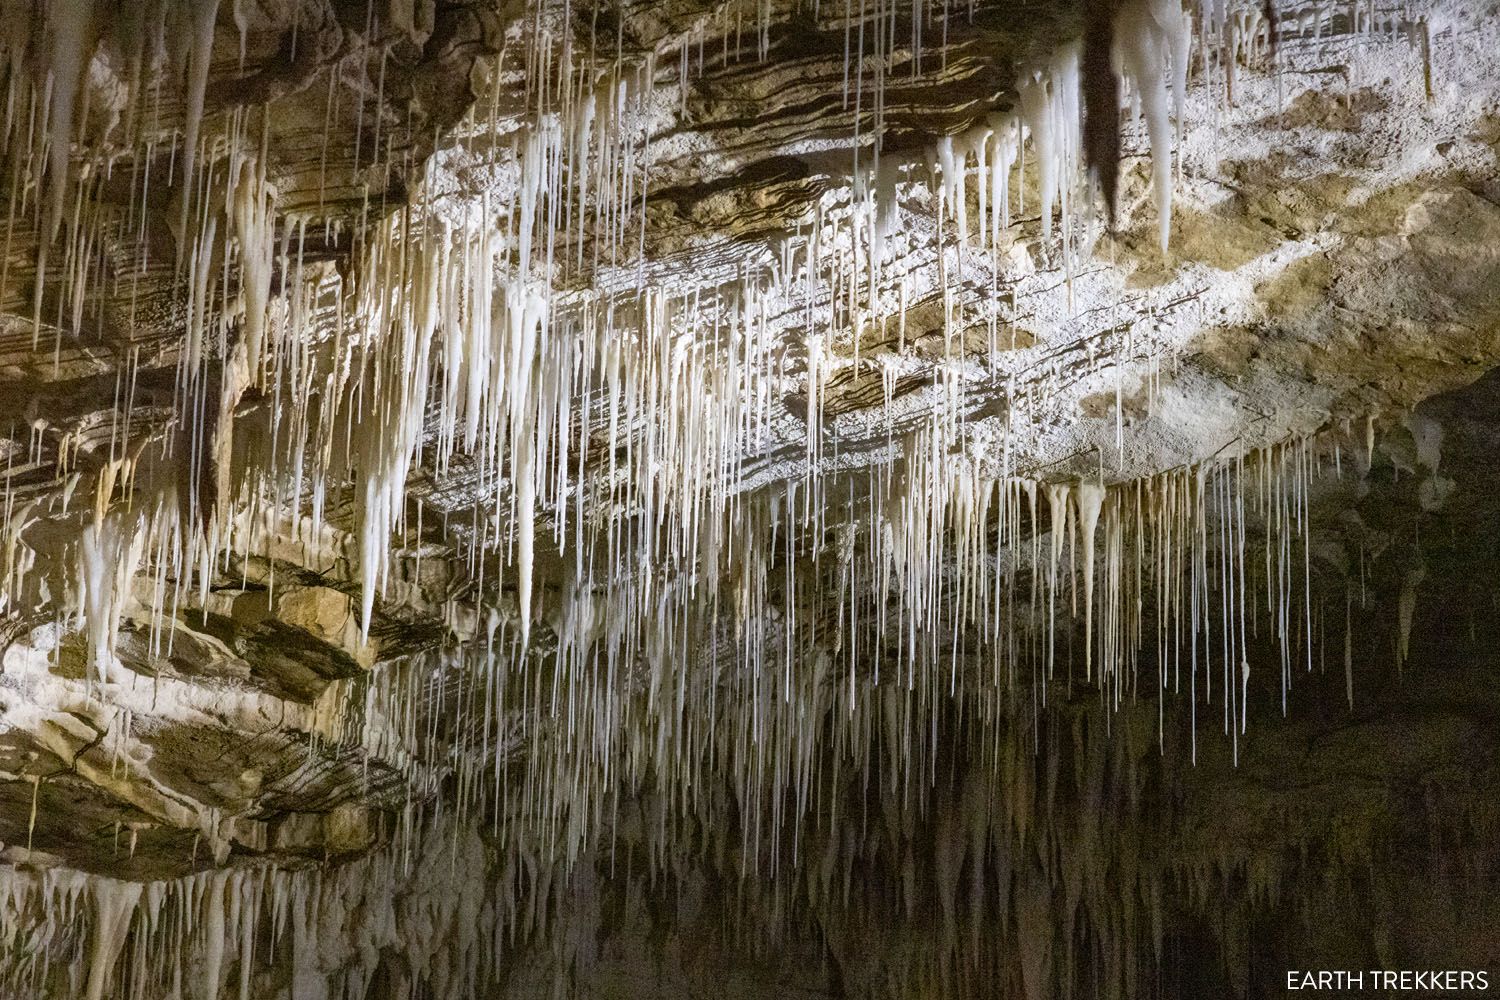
[[627, 425], [842, 647], [753, 660], [1062, 857]]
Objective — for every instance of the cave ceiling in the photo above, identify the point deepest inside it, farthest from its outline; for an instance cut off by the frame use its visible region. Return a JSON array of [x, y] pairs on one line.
[[494, 490]]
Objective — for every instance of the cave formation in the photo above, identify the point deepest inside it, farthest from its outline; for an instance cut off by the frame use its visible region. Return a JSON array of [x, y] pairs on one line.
[[747, 498]]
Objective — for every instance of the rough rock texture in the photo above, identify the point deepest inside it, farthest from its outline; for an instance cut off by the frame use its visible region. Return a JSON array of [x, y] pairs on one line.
[[604, 499]]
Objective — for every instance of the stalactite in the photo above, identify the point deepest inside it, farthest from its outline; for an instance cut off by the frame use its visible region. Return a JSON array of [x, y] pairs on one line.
[[1147, 34], [729, 639], [1101, 104]]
